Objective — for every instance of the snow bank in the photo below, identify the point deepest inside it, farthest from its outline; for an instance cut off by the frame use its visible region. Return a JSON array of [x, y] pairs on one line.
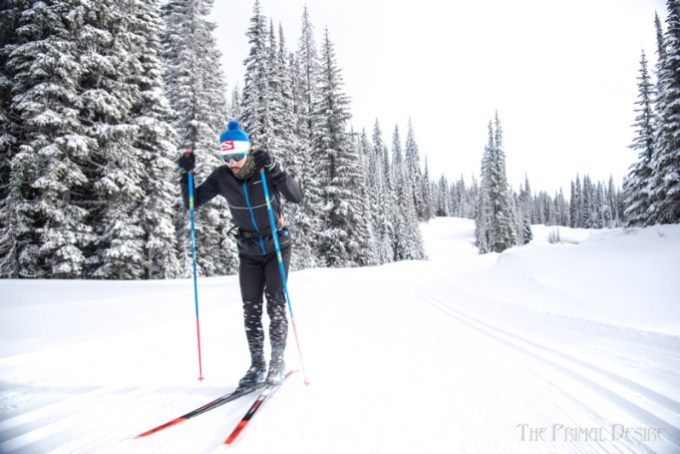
[[624, 277]]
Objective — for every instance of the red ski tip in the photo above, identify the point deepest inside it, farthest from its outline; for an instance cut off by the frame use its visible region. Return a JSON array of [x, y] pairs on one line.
[[162, 427], [239, 428]]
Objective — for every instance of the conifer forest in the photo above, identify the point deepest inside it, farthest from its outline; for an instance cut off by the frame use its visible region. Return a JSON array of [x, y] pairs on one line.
[[99, 99]]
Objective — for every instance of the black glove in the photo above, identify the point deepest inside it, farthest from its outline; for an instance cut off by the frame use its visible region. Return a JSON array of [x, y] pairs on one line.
[[186, 162], [264, 159]]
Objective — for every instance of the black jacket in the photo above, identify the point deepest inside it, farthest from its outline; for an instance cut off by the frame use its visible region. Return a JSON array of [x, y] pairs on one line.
[[248, 205]]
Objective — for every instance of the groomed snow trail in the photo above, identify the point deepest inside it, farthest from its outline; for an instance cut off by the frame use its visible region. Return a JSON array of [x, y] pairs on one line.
[[459, 353]]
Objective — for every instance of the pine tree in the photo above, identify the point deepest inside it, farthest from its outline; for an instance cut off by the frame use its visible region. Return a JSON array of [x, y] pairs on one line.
[[338, 165], [587, 210], [665, 186], [524, 212], [562, 209], [85, 88], [407, 241], [426, 191], [496, 225], [484, 220], [16, 229], [155, 141], [414, 174], [398, 216], [443, 202], [374, 184], [46, 176], [367, 253], [303, 166], [384, 197], [196, 91], [505, 234], [309, 71], [115, 174], [576, 204], [256, 115], [639, 177]]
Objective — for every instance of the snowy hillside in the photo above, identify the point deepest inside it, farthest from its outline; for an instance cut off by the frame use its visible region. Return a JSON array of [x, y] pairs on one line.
[[570, 347]]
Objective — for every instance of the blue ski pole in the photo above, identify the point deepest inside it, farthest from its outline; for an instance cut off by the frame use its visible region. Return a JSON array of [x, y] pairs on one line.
[[193, 253], [282, 269]]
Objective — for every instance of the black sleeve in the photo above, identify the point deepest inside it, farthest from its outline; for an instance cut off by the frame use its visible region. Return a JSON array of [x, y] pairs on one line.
[[287, 187], [203, 193]]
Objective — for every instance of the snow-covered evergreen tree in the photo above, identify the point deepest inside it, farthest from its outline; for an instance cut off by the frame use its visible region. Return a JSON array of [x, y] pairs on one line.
[[504, 210], [575, 203], [407, 241], [256, 115], [303, 167], [428, 211], [636, 184], [524, 212], [397, 216], [414, 174], [87, 89], [496, 225], [155, 141], [561, 209], [46, 170], [196, 91], [107, 98], [374, 184], [443, 197], [382, 190], [277, 131], [588, 204], [16, 222], [339, 165], [365, 235], [665, 184], [484, 218]]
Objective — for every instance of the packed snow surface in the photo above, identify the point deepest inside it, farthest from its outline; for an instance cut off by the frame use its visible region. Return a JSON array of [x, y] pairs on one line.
[[567, 347]]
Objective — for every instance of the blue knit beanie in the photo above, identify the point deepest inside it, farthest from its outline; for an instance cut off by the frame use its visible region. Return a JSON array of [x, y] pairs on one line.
[[234, 139]]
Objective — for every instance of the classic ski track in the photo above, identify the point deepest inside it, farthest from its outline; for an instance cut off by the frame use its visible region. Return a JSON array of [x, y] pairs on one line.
[[59, 421], [665, 401], [541, 353], [45, 427]]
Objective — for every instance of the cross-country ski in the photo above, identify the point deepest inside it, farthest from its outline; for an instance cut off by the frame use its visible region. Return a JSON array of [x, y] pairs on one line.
[[236, 394], [265, 395]]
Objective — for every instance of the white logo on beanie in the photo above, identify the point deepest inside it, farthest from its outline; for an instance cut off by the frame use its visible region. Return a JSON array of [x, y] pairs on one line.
[[235, 146], [234, 139]]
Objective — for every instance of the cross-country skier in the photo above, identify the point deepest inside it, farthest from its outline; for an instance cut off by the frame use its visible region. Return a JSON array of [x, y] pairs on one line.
[[240, 183]]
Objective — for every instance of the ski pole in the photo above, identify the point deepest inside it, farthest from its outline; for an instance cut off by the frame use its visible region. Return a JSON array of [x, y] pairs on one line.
[[193, 253], [282, 269]]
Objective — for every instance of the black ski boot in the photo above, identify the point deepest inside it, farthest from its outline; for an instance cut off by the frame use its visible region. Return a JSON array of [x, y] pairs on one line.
[[277, 368], [255, 374]]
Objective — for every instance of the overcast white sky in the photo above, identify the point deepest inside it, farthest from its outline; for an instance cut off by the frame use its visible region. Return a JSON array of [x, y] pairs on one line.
[[562, 75]]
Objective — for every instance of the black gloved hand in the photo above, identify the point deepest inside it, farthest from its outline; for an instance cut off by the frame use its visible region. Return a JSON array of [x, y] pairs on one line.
[[264, 159], [186, 162]]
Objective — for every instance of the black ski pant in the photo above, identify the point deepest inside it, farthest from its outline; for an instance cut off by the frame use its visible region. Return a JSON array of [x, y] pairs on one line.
[[260, 275]]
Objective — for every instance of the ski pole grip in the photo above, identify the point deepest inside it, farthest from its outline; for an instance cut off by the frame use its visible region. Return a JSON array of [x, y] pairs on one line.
[[189, 150]]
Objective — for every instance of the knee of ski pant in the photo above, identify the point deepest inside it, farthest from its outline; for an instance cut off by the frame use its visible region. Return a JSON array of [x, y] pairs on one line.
[[276, 306], [252, 309]]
